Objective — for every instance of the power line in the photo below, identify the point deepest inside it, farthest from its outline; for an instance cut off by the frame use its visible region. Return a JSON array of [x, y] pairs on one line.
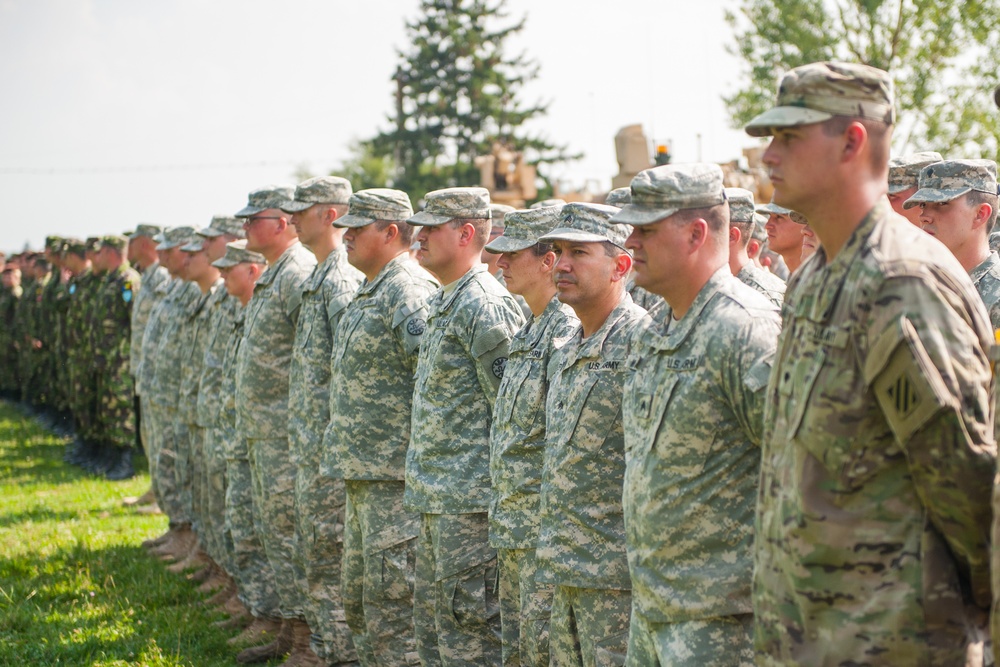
[[127, 169]]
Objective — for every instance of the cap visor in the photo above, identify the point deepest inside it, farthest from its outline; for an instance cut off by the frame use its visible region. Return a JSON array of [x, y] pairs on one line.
[[353, 221], [425, 219], [507, 244], [192, 247], [247, 211], [223, 263], [570, 234], [166, 245], [927, 195], [634, 214], [896, 189], [762, 125], [209, 233], [296, 206]]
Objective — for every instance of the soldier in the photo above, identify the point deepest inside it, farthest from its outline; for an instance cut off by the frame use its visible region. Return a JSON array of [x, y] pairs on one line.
[[743, 219], [878, 460], [75, 346], [48, 329], [517, 438], [693, 412], [497, 213], [904, 179], [10, 294], [374, 358], [581, 544], [784, 233], [85, 380], [110, 344], [471, 321], [245, 559], [958, 206], [262, 379], [618, 198], [142, 256], [319, 500], [221, 312]]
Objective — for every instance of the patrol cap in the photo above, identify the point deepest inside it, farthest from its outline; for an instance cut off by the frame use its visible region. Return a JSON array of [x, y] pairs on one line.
[[445, 205], [497, 213], [620, 197], [76, 246], [659, 192], [771, 207], [319, 190], [367, 206], [523, 228], [269, 196], [950, 179], [819, 91], [223, 224], [741, 206], [175, 236], [545, 203], [92, 244], [53, 243], [115, 241], [588, 223], [237, 253], [145, 231], [194, 245], [904, 171]]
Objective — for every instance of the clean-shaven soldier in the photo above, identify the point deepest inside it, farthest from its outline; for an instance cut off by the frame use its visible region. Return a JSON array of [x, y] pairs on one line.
[[374, 359], [517, 439], [471, 321], [904, 181], [693, 407], [743, 219]]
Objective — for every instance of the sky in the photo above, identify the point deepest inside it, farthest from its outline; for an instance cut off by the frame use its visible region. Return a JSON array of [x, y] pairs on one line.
[[116, 112]]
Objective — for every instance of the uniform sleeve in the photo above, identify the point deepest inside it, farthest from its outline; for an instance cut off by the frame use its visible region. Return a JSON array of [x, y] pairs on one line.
[[409, 321], [749, 374], [490, 346], [926, 366], [337, 300], [291, 296]]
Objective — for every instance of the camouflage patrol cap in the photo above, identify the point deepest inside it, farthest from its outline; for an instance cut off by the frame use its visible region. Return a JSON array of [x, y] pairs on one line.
[[659, 192], [950, 179], [269, 196], [76, 246], [771, 207], [588, 223], [319, 190], [497, 213], [53, 243], [145, 231], [92, 244], [176, 236], [223, 224], [523, 228], [237, 253], [367, 206], [545, 203], [451, 203], [741, 207], [819, 91], [196, 244], [115, 241], [904, 171], [620, 197]]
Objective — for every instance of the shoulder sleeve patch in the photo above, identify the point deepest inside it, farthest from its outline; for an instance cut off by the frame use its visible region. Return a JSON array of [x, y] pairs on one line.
[[490, 339]]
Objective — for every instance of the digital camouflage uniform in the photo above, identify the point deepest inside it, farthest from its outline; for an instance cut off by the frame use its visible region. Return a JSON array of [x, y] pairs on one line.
[[262, 379], [462, 356], [319, 500], [374, 359], [80, 351], [581, 544], [765, 282], [871, 529], [986, 279]]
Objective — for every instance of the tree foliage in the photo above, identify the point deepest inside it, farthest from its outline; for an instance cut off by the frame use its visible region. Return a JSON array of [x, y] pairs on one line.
[[942, 54], [458, 93]]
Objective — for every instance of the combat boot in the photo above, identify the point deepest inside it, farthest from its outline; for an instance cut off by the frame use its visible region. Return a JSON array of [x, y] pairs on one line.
[[222, 595], [122, 468], [281, 645], [145, 499], [195, 558], [261, 630], [159, 540], [74, 452], [301, 655]]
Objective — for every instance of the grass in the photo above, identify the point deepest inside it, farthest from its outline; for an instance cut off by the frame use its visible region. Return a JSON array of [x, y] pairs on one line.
[[76, 587]]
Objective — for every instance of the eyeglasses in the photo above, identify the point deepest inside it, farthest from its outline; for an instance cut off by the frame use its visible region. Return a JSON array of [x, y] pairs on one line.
[[254, 218]]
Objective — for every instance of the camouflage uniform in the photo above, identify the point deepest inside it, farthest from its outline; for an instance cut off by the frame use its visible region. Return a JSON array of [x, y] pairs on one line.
[[517, 443], [319, 500], [742, 211], [245, 559], [262, 380], [986, 278], [9, 381], [461, 362], [581, 544], [765, 282], [374, 358]]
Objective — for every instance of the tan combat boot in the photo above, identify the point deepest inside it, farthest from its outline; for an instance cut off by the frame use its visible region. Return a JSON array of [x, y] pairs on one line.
[[281, 645], [259, 631], [302, 655], [145, 499]]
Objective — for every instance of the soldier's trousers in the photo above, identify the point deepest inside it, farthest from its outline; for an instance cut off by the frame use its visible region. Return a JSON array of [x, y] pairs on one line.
[[115, 404], [84, 403], [251, 568], [380, 543], [146, 433], [196, 479], [165, 428], [589, 627], [179, 465], [215, 497], [456, 613], [726, 641], [274, 495], [319, 548], [525, 608]]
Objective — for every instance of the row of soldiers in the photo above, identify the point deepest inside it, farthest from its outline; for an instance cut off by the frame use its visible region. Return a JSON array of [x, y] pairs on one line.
[[64, 342], [383, 460]]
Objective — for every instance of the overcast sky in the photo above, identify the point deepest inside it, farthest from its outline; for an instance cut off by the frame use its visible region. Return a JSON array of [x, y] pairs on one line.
[[114, 112]]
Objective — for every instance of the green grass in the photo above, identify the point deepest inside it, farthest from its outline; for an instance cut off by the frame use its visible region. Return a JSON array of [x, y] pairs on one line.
[[76, 587]]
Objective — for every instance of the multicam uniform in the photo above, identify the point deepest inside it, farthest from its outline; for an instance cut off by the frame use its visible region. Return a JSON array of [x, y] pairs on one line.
[[693, 412], [871, 535]]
